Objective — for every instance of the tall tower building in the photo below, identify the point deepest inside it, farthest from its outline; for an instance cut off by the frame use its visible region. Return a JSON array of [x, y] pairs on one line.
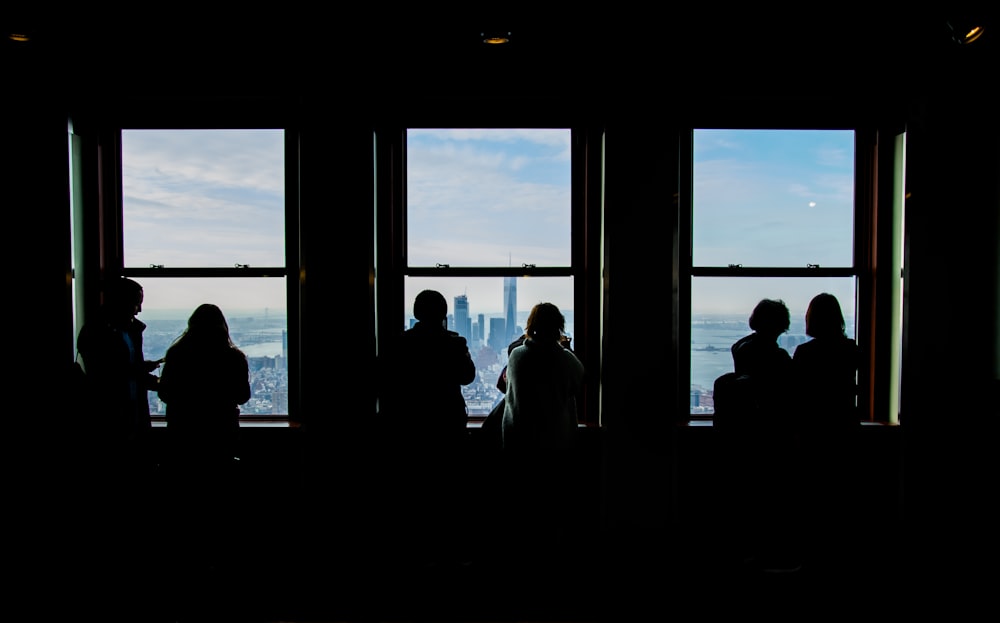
[[463, 323], [510, 307]]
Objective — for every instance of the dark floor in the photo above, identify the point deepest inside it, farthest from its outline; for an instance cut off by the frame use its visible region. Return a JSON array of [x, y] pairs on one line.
[[326, 586]]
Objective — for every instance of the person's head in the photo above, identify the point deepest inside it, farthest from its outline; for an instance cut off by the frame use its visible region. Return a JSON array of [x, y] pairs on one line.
[[208, 323], [770, 317], [431, 307], [824, 318], [545, 323], [123, 299]]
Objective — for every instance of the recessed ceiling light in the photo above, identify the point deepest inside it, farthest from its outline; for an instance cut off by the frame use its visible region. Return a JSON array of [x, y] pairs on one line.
[[495, 38]]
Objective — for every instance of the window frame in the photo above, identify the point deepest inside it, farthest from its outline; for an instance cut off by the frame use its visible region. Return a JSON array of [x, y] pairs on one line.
[[585, 244], [102, 235], [876, 324]]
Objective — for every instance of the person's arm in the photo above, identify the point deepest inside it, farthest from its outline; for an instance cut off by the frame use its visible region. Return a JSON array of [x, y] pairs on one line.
[[241, 380], [465, 367]]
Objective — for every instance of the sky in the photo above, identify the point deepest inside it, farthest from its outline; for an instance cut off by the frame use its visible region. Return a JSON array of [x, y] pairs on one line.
[[490, 198]]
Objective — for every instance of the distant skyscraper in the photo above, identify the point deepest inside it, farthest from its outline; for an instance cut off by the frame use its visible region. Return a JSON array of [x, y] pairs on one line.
[[510, 307], [463, 323], [498, 335], [480, 335]]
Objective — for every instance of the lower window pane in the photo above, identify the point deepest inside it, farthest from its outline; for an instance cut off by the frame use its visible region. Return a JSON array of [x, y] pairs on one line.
[[721, 308], [256, 312], [477, 310]]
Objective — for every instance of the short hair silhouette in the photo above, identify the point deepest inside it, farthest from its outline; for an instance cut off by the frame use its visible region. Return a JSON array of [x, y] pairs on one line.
[[430, 306], [824, 318], [545, 322], [123, 291], [770, 317]]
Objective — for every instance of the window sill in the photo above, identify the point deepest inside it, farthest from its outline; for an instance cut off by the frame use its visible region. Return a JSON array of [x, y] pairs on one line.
[[159, 422], [708, 423]]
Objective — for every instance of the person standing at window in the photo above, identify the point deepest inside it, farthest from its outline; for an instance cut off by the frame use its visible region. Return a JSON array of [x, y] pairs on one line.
[[827, 365], [205, 378], [758, 356], [753, 413], [826, 370], [204, 381], [544, 383], [118, 376], [421, 374]]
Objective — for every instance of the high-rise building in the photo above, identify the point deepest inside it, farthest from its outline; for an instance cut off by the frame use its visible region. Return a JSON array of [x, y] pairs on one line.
[[481, 332], [463, 323], [498, 335], [510, 307]]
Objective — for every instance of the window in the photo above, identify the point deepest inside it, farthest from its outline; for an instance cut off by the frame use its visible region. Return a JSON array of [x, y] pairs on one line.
[[203, 219], [776, 214], [492, 221]]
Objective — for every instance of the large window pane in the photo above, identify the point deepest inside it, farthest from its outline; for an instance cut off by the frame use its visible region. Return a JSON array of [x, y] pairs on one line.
[[490, 197], [721, 308], [775, 198], [477, 310], [203, 198]]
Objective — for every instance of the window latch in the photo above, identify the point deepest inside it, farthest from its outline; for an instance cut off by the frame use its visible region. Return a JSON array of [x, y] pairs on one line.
[[238, 265], [442, 266], [156, 265], [736, 266], [812, 265], [527, 265]]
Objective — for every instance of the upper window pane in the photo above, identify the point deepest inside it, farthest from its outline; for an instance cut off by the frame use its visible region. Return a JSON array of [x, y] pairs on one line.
[[489, 197], [775, 198], [203, 198]]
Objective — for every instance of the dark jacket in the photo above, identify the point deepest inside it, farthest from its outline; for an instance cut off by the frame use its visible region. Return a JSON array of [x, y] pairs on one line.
[[203, 388], [421, 375], [118, 379], [826, 373], [758, 392]]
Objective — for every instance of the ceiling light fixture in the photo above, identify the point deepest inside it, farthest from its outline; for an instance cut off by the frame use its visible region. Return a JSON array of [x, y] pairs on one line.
[[965, 32], [495, 38]]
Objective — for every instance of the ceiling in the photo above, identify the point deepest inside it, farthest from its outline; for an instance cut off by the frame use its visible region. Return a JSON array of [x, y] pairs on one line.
[[602, 52]]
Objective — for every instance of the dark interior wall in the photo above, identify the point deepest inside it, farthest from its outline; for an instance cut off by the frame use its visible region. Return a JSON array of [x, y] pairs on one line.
[[950, 381]]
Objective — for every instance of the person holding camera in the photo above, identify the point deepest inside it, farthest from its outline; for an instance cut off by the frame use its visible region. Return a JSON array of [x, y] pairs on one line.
[[544, 384]]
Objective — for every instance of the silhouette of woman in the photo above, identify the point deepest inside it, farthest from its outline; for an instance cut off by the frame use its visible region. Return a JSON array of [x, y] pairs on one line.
[[544, 383], [205, 378], [827, 365], [826, 370]]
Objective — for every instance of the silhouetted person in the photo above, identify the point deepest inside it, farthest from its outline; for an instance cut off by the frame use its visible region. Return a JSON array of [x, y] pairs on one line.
[[827, 366], [421, 374], [759, 443], [115, 466], [119, 378], [826, 370], [205, 378], [766, 365], [544, 385]]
